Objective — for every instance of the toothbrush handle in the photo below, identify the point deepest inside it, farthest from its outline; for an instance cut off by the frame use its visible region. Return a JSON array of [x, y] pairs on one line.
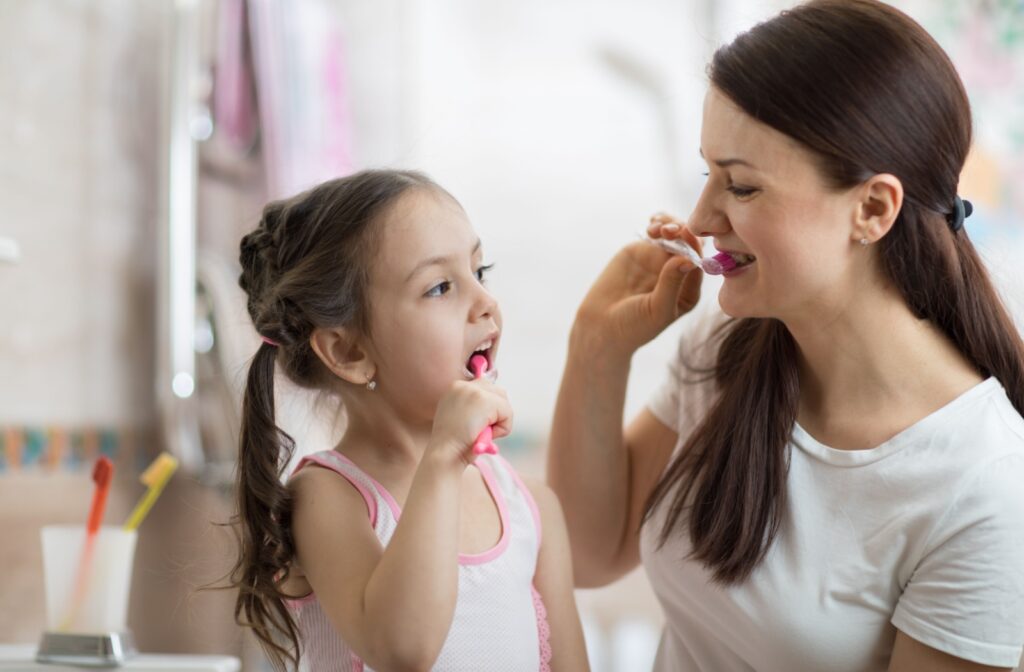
[[485, 439], [485, 442]]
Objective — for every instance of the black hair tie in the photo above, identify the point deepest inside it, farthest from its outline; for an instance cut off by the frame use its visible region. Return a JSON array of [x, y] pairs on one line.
[[962, 209]]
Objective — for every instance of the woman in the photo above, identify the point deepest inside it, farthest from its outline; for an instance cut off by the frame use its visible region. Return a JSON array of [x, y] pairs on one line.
[[832, 477]]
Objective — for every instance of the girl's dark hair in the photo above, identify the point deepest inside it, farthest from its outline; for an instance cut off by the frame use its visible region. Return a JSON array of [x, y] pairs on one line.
[[305, 266], [867, 91]]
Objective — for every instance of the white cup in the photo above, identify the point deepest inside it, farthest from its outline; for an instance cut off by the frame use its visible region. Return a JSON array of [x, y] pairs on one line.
[[93, 601]]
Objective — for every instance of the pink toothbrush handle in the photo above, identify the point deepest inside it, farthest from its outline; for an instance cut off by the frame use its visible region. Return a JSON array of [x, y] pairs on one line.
[[485, 439], [485, 443]]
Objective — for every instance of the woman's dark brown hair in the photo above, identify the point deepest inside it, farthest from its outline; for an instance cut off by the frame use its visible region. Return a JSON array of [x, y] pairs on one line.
[[868, 91], [305, 266]]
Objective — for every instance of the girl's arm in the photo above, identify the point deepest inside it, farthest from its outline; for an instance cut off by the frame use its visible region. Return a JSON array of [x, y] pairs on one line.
[[602, 474], [376, 598], [394, 606], [553, 580]]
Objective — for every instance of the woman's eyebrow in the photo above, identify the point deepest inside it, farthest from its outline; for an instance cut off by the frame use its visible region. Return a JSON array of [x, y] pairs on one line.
[[725, 163]]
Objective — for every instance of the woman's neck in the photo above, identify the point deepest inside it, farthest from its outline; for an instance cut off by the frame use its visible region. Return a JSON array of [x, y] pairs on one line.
[[871, 368]]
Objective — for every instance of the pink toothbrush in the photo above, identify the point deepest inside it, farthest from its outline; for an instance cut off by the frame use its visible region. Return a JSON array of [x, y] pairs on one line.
[[716, 265], [484, 441]]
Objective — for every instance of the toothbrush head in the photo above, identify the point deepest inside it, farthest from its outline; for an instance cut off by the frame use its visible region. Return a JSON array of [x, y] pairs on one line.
[[159, 471], [478, 365], [719, 264], [710, 265], [102, 472]]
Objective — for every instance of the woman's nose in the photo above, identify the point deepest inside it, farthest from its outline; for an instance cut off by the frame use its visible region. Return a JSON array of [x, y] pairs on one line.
[[706, 220]]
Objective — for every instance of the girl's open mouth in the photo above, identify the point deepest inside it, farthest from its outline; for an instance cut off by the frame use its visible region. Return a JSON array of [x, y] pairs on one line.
[[485, 349]]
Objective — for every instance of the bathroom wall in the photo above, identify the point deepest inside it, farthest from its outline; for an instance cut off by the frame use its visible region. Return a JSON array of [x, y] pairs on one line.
[[80, 151]]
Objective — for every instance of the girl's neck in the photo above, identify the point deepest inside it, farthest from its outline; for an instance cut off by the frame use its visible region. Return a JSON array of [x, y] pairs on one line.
[[378, 436], [873, 362]]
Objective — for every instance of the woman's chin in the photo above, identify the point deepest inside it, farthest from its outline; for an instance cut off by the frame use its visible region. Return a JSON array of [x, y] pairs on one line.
[[733, 305]]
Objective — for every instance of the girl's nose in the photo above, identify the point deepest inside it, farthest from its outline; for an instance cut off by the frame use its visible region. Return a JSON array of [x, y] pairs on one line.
[[486, 305]]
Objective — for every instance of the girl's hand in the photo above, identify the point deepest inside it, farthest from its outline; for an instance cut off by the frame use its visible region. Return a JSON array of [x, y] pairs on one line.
[[462, 414], [643, 290]]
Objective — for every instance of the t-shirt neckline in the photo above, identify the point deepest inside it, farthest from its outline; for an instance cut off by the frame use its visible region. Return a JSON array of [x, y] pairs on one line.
[[853, 458]]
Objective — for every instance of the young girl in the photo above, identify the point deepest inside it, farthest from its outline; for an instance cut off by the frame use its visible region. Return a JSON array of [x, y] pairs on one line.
[[400, 548]]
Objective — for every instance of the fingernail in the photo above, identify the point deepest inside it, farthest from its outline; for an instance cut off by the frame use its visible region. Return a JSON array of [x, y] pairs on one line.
[[670, 227]]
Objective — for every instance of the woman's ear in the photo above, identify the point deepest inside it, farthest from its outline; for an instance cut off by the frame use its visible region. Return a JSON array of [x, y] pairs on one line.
[[343, 354], [880, 200]]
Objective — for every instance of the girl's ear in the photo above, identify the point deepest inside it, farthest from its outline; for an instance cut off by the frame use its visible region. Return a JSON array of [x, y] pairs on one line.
[[342, 352], [880, 201]]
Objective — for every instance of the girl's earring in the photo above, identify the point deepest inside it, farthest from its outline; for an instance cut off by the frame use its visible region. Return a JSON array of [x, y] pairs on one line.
[[864, 242], [371, 385]]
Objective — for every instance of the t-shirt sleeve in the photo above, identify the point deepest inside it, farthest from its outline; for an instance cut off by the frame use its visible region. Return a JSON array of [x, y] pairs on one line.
[[686, 392], [966, 597]]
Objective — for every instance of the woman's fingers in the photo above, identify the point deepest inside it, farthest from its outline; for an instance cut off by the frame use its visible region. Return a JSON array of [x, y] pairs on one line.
[[677, 290], [663, 225]]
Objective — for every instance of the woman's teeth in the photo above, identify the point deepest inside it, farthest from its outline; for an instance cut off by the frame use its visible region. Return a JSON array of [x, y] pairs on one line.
[[742, 259]]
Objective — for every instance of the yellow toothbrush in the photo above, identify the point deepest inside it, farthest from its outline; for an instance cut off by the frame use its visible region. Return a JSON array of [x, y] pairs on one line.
[[155, 477]]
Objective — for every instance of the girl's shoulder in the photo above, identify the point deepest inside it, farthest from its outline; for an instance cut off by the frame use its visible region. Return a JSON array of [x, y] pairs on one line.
[[329, 474]]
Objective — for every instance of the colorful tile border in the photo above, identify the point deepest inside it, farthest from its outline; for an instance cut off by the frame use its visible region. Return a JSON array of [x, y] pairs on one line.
[[55, 448]]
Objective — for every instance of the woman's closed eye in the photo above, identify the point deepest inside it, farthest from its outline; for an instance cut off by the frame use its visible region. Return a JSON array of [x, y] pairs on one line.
[[741, 192], [736, 190]]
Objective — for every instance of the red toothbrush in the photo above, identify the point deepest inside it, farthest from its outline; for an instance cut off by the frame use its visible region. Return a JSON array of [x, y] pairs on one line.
[[485, 440], [102, 474]]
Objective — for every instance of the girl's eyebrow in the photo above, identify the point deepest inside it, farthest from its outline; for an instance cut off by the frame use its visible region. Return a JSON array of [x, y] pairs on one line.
[[439, 261], [725, 163]]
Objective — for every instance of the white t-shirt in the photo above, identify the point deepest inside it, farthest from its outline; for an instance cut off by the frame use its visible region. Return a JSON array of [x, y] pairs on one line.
[[924, 532]]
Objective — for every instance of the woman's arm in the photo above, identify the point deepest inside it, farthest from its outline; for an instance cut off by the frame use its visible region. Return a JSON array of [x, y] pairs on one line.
[[553, 580], [601, 474], [910, 655]]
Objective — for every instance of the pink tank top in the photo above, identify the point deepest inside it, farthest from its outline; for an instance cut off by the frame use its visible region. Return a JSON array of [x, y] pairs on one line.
[[500, 623]]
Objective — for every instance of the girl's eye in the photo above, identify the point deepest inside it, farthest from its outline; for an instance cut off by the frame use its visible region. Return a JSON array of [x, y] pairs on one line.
[[482, 271], [742, 192], [439, 289]]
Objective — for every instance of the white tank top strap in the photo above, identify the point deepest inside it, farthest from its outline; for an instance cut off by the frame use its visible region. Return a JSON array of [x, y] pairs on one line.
[[380, 505]]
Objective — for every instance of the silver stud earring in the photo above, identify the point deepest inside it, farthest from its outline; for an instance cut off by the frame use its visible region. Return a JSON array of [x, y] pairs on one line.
[[864, 242], [371, 385]]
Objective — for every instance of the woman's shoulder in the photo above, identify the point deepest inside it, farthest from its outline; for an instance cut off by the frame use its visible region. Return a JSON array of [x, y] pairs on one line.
[[984, 444], [986, 421]]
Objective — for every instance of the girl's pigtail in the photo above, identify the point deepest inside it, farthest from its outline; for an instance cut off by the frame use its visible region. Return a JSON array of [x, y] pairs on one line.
[[264, 509]]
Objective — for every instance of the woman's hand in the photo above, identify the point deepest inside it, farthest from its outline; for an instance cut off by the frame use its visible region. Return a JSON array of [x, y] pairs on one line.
[[462, 414], [642, 291]]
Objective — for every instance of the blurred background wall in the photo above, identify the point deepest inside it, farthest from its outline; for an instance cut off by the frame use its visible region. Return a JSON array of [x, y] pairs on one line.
[[559, 126]]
